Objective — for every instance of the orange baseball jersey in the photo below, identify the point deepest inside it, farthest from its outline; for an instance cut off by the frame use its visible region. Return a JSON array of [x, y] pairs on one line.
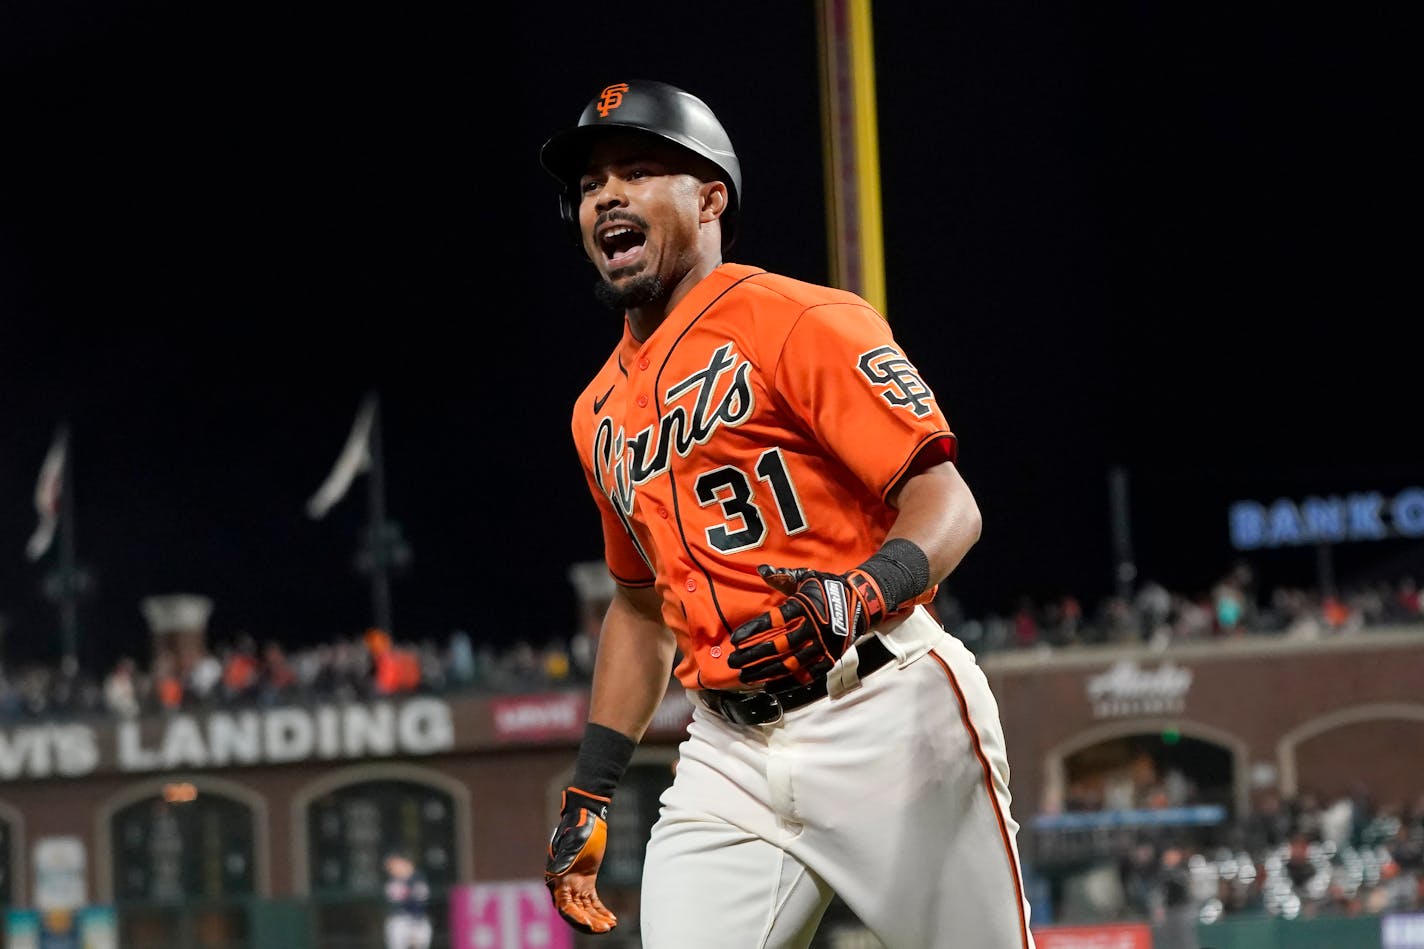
[[764, 421]]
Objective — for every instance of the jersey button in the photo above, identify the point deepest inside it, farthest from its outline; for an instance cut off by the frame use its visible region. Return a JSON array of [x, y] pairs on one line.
[[642, 402], [715, 652], [643, 363], [691, 584], [662, 511]]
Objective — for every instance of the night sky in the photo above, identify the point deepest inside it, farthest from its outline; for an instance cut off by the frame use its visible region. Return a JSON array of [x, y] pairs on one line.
[[1167, 237]]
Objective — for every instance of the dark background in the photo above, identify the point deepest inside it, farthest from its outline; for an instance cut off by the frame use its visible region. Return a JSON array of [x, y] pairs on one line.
[[1170, 237]]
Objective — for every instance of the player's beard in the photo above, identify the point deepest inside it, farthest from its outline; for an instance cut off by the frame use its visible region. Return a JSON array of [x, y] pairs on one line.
[[639, 291]]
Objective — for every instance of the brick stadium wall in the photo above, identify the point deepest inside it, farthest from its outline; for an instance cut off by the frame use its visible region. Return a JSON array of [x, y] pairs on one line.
[[1327, 715]]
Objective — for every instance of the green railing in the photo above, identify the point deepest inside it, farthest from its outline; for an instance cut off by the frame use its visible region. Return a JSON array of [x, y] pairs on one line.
[[1266, 932], [289, 923]]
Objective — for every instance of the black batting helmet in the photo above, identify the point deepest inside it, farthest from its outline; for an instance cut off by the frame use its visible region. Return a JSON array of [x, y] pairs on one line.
[[643, 105]]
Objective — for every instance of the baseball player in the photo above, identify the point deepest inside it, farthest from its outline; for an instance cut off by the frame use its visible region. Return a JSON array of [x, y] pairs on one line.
[[779, 500]]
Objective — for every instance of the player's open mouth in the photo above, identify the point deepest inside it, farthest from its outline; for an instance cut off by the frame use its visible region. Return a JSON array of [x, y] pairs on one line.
[[621, 244]]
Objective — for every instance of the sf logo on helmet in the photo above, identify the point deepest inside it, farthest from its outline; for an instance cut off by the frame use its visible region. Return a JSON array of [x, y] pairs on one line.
[[611, 98]]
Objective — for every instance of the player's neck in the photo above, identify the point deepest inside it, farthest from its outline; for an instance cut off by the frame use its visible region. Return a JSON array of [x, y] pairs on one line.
[[645, 318]]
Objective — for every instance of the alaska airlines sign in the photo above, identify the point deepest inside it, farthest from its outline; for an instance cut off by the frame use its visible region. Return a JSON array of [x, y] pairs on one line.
[[1329, 520], [1129, 689], [228, 739]]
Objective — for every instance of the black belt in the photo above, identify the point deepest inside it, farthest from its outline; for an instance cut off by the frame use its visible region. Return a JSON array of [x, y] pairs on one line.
[[766, 708]]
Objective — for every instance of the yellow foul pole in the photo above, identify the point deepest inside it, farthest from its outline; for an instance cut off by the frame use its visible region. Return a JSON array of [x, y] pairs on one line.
[[851, 149]]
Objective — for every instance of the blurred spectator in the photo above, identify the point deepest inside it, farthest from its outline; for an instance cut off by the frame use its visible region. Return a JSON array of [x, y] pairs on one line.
[[1153, 603], [242, 671], [462, 659], [1339, 616], [522, 667], [947, 609], [1174, 911], [352, 667], [1229, 608], [204, 678], [1063, 621], [974, 634], [1026, 632], [1138, 870], [1337, 822], [1269, 823], [1408, 602], [1299, 863], [1194, 621], [397, 669], [998, 631], [555, 660], [433, 666], [120, 691], [277, 679], [167, 683], [313, 668], [1118, 622]]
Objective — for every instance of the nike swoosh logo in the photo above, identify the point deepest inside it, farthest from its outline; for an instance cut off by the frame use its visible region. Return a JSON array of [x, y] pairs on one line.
[[598, 403]]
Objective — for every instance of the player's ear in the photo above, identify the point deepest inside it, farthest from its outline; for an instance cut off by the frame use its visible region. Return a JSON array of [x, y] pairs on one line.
[[714, 200]]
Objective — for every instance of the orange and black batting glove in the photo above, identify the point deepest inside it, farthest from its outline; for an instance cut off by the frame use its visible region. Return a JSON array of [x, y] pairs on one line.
[[575, 854], [800, 639]]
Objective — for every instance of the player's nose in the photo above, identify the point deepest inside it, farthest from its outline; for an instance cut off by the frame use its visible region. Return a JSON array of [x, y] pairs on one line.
[[611, 194]]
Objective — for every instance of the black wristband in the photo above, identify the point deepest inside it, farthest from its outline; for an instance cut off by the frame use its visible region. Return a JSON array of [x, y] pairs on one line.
[[603, 756], [901, 569]]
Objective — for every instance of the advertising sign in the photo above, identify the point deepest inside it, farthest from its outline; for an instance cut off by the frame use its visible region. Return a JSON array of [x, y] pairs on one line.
[[1115, 936], [59, 873], [515, 914], [1402, 931], [22, 929], [98, 928], [91, 927]]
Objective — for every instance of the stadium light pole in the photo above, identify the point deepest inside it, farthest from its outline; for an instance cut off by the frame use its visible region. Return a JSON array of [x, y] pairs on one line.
[[1124, 569]]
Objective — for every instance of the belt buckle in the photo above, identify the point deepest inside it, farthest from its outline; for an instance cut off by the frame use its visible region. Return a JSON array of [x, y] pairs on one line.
[[746, 708], [764, 709]]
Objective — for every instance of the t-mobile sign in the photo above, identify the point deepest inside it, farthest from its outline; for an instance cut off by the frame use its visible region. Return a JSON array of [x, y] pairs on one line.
[[515, 914]]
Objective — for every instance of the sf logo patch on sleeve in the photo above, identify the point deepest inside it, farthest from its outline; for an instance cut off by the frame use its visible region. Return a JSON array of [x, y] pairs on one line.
[[888, 367]]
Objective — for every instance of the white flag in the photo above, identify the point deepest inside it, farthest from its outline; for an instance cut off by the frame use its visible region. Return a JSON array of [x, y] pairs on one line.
[[354, 459], [49, 487]]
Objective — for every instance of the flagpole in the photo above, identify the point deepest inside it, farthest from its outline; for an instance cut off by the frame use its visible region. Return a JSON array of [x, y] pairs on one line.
[[68, 570], [380, 546]]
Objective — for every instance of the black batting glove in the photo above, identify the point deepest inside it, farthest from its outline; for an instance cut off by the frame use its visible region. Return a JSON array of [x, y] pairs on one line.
[[800, 639]]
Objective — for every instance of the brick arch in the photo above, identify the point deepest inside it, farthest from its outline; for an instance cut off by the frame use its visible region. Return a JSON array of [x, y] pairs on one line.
[[151, 787], [1288, 746], [1054, 769], [378, 771]]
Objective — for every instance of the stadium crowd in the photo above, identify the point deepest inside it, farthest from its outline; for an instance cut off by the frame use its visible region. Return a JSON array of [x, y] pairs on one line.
[[1298, 858], [245, 671], [1301, 856]]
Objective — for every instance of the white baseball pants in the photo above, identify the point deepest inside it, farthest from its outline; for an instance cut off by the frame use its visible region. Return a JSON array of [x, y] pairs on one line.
[[891, 792]]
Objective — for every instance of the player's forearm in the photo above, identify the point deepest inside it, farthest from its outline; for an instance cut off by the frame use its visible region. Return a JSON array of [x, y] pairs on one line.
[[633, 666], [937, 512]]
